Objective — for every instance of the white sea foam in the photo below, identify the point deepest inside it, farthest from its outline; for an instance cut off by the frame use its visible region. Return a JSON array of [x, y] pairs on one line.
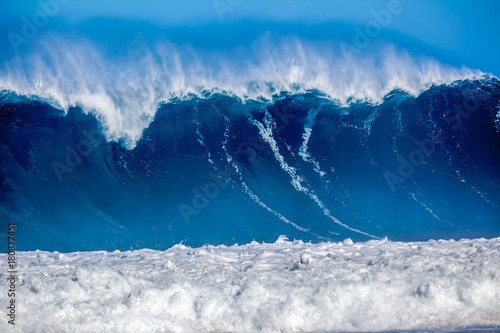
[[285, 286], [125, 90]]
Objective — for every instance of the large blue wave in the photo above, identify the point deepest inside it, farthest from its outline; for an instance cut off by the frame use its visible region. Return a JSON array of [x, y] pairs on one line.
[[213, 168]]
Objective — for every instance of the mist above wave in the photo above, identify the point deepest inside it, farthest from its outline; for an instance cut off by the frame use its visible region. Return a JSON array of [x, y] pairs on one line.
[[125, 89]]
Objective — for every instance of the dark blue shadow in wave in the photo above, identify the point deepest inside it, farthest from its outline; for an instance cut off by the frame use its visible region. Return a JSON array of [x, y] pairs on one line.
[[69, 189]]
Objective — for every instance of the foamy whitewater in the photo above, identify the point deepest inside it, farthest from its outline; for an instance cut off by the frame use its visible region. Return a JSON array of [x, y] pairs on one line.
[[286, 286]]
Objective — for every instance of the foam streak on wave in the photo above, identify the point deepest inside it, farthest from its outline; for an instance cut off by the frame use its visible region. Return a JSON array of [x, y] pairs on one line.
[[481, 194], [308, 126], [248, 191], [266, 132], [201, 138], [414, 197]]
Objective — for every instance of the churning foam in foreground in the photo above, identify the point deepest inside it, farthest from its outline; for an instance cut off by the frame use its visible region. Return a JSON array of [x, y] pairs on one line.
[[285, 286], [125, 90]]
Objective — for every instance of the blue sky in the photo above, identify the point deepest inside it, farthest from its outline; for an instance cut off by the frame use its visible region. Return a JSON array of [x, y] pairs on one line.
[[458, 32]]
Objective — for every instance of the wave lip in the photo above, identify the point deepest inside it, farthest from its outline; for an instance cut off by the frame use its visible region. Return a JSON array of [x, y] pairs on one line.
[[124, 91], [372, 286]]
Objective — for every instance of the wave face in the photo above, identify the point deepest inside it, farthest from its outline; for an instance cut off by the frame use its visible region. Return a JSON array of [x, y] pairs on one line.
[[215, 169], [445, 286]]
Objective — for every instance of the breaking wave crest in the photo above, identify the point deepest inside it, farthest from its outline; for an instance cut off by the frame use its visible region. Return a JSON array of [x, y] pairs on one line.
[[124, 91]]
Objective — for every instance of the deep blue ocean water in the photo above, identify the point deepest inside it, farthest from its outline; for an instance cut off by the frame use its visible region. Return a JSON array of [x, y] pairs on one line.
[[215, 169]]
